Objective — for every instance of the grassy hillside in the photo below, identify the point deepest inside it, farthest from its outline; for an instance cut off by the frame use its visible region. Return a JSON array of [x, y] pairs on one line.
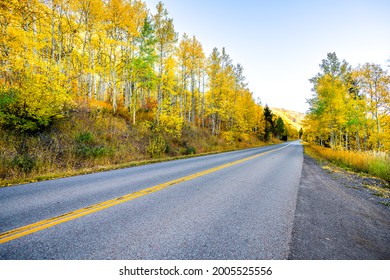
[[292, 117], [89, 140]]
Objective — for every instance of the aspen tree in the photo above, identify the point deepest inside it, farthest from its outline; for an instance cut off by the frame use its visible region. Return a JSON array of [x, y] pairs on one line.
[[166, 38]]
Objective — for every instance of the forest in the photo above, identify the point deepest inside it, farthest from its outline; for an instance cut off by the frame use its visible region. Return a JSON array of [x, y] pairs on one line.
[[86, 83], [92, 83], [350, 108], [350, 115]]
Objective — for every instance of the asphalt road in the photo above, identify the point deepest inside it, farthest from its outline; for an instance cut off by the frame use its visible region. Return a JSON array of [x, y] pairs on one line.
[[243, 211], [337, 218]]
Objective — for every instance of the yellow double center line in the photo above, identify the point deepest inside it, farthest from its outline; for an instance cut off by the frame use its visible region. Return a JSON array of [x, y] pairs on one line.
[[31, 228]]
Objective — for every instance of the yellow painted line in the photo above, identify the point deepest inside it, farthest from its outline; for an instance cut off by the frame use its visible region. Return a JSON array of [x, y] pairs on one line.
[[31, 228]]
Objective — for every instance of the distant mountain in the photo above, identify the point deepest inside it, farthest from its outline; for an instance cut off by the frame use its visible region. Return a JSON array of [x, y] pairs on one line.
[[292, 117]]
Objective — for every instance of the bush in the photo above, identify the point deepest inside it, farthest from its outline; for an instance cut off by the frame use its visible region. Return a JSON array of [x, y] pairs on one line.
[[84, 137], [24, 163], [85, 151], [87, 148], [172, 125], [157, 147], [32, 107], [190, 150]]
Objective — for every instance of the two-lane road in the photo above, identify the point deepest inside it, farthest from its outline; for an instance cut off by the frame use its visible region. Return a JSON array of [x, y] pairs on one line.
[[236, 205]]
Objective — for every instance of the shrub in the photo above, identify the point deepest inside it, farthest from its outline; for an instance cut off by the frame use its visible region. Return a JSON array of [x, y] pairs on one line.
[[84, 137], [157, 147], [33, 107], [87, 148], [85, 151], [190, 150], [24, 163], [172, 125]]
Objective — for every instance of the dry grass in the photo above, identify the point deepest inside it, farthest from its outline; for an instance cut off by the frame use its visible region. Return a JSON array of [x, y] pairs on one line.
[[375, 164]]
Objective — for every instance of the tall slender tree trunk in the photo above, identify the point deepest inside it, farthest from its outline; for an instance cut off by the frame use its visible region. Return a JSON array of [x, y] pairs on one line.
[[378, 126], [193, 99], [358, 141], [213, 124], [159, 87], [203, 101], [53, 41], [134, 101]]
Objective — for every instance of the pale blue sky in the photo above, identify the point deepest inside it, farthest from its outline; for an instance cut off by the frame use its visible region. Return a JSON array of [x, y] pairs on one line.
[[281, 43]]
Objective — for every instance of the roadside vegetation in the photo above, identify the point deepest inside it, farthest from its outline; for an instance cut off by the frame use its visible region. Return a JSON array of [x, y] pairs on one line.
[[370, 163], [89, 84], [348, 122], [350, 107], [93, 140]]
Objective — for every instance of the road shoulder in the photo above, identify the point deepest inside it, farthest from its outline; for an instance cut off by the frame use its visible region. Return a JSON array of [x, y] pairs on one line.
[[336, 218]]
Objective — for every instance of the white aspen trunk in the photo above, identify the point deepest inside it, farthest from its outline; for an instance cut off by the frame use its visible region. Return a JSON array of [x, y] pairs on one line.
[[203, 100], [378, 126], [53, 42], [159, 89], [193, 99], [358, 141], [114, 93], [213, 124]]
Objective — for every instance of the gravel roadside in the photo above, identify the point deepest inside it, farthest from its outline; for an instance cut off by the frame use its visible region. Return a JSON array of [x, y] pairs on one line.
[[337, 218]]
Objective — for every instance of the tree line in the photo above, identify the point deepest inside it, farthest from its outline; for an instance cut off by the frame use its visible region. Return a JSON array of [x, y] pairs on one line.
[[350, 107]]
